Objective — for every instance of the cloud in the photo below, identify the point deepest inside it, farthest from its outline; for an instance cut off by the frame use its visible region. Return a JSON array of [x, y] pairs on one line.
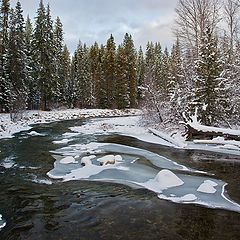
[[95, 20]]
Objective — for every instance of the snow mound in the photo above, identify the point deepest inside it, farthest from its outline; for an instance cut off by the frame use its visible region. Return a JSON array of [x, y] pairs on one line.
[[167, 179], [68, 160], [207, 187], [108, 159], [87, 160], [184, 199]]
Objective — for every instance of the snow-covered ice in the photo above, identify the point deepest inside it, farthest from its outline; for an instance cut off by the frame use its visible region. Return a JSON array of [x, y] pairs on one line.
[[8, 128], [68, 160], [165, 179], [173, 182], [207, 187]]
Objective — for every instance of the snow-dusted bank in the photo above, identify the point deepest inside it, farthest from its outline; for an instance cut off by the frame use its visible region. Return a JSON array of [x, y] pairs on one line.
[[9, 128], [131, 126]]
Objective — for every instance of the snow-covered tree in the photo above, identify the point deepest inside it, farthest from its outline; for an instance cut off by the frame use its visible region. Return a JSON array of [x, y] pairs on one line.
[[131, 69], [17, 60], [5, 85], [210, 97], [109, 67]]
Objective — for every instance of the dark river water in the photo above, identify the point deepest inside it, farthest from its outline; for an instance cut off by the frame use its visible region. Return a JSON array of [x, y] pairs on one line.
[[84, 210]]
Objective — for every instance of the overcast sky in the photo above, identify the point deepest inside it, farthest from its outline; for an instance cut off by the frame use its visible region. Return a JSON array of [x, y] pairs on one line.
[[95, 20]]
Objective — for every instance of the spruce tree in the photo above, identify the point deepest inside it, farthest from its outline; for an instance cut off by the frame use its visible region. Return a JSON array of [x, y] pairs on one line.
[[59, 81], [5, 86], [122, 96], [109, 67], [33, 94], [140, 72], [131, 73], [17, 60], [65, 78], [209, 94]]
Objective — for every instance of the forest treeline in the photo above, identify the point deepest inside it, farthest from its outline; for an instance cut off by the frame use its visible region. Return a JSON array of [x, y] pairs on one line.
[[201, 71]]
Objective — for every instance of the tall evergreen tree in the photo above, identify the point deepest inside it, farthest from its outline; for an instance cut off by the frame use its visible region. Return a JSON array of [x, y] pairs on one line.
[[122, 96], [131, 73], [109, 66], [5, 86], [17, 60], [65, 78], [209, 95], [140, 72], [59, 81], [32, 99]]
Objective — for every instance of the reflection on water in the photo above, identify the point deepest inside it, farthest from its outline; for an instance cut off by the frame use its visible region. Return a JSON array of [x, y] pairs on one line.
[[94, 210]]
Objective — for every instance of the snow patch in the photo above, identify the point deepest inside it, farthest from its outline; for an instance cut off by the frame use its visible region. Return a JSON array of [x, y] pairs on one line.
[[68, 160], [34, 133], [207, 187], [188, 198], [165, 179], [63, 141]]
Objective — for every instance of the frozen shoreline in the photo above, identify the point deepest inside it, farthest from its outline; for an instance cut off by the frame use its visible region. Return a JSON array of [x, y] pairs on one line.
[[9, 128]]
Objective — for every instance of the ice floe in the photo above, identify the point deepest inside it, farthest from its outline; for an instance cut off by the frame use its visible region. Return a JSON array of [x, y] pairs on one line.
[[120, 164], [207, 187], [68, 160]]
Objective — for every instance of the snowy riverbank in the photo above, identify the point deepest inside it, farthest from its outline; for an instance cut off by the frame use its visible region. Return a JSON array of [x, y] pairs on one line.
[[9, 128]]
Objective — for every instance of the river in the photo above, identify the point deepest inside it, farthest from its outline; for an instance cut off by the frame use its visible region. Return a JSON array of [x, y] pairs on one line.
[[37, 207]]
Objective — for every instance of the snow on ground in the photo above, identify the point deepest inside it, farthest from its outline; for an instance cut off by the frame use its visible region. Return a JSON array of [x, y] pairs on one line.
[[129, 126], [8, 128]]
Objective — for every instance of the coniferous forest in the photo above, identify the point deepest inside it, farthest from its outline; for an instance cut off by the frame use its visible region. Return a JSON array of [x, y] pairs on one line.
[[201, 71]]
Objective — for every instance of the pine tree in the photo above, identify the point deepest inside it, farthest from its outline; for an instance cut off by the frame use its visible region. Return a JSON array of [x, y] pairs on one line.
[[33, 94], [109, 66], [17, 61], [122, 96], [59, 81], [5, 86], [209, 95], [100, 80], [94, 81], [65, 78], [43, 55], [131, 73], [140, 72], [83, 76]]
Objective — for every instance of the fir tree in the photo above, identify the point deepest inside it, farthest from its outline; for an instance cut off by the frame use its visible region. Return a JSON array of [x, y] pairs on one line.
[[5, 86], [33, 94], [59, 81], [140, 72], [131, 71], [122, 96], [17, 60], [65, 78], [109, 66], [209, 95]]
